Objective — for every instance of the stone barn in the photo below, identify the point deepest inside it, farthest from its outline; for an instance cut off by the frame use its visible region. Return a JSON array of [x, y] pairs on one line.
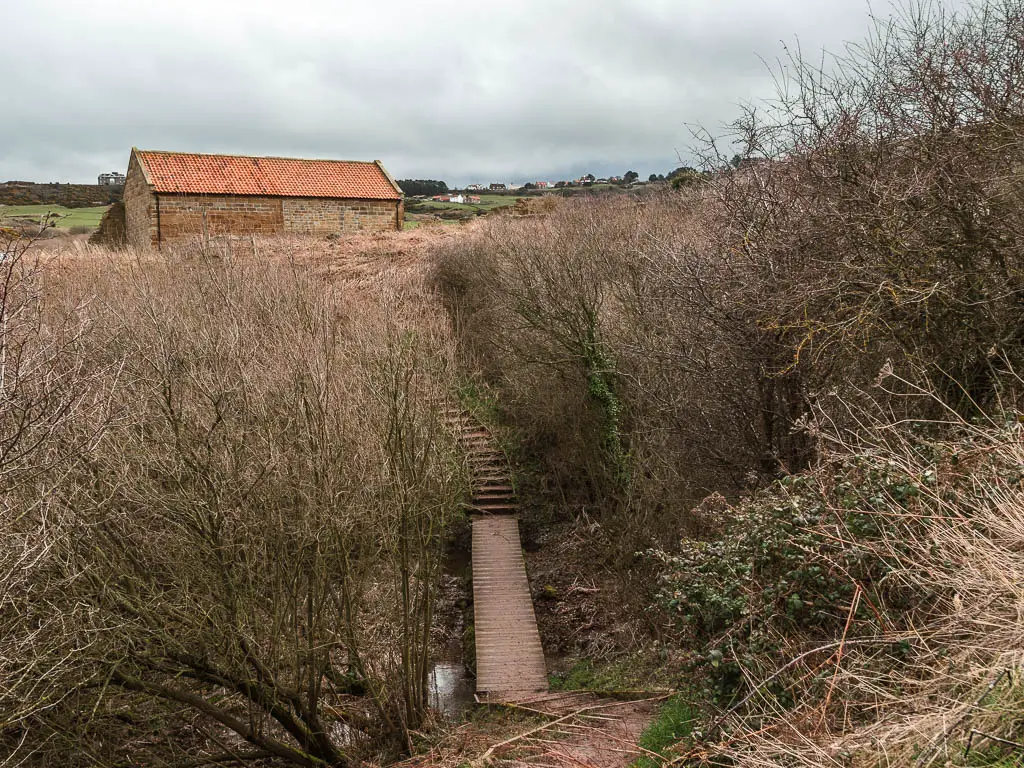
[[172, 195]]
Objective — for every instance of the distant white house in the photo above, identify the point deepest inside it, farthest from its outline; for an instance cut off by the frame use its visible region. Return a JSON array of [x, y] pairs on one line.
[[112, 179], [457, 199]]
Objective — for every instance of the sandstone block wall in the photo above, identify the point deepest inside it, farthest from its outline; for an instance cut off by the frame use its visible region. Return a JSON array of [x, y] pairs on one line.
[[320, 216], [184, 216], [139, 208], [111, 231]]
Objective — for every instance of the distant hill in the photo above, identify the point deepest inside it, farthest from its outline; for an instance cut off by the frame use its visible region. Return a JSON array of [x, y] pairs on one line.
[[66, 195]]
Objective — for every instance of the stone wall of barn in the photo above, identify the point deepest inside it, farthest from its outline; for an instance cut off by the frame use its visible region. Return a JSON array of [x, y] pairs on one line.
[[197, 216], [185, 216], [139, 208], [320, 216]]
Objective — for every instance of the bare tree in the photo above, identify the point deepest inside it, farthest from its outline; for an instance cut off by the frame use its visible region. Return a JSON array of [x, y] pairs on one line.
[[53, 408], [241, 536], [883, 218]]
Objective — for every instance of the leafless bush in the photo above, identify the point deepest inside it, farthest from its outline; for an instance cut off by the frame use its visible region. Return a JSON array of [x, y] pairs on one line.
[[927, 663], [884, 217], [248, 555], [612, 331], [53, 406], [876, 225]]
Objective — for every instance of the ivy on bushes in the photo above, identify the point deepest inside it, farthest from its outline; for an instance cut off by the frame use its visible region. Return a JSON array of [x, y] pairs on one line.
[[786, 565]]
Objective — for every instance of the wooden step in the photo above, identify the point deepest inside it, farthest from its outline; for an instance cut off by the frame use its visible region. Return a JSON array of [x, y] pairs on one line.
[[495, 508], [498, 496], [510, 660]]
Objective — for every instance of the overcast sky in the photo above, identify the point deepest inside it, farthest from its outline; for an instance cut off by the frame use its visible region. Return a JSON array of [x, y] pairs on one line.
[[471, 91]]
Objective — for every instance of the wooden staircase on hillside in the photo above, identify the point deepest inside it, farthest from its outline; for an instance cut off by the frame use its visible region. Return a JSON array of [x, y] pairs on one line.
[[491, 486], [509, 657]]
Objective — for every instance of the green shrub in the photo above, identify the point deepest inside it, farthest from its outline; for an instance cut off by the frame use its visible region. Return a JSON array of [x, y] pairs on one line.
[[792, 556]]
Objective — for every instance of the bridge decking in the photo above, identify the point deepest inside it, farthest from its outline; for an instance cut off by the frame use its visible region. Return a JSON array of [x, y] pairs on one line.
[[509, 658]]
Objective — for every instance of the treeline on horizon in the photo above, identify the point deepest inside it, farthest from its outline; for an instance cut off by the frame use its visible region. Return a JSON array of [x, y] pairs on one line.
[[431, 187], [65, 195]]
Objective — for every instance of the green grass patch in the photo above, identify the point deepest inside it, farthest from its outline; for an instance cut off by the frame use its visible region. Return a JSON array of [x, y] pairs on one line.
[[607, 678], [65, 218], [480, 401], [496, 201], [675, 722], [994, 758], [642, 671], [582, 676]]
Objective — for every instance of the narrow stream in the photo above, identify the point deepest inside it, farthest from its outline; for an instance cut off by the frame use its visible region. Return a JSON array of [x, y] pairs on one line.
[[450, 686], [450, 689]]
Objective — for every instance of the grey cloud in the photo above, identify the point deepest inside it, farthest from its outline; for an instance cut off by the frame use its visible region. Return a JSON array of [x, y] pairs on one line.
[[465, 92]]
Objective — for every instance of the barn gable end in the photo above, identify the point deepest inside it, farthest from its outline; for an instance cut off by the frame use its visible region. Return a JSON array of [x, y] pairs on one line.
[[139, 206]]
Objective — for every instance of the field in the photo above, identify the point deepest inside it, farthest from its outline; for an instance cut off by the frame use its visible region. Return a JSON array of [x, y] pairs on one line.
[[67, 217], [487, 203], [490, 202]]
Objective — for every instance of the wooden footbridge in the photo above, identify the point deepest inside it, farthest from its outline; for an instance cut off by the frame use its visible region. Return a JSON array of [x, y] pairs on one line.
[[509, 658]]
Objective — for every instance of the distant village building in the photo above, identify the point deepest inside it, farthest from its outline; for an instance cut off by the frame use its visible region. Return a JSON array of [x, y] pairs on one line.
[[171, 195], [112, 179], [498, 187], [475, 188]]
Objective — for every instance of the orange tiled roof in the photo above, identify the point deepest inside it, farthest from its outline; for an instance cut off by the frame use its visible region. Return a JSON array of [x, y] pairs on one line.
[[278, 176]]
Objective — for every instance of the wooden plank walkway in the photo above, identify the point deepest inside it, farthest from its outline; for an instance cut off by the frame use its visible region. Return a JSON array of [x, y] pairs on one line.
[[509, 657]]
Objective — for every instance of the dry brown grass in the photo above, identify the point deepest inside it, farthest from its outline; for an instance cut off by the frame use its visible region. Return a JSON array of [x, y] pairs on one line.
[[235, 538], [958, 549]]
